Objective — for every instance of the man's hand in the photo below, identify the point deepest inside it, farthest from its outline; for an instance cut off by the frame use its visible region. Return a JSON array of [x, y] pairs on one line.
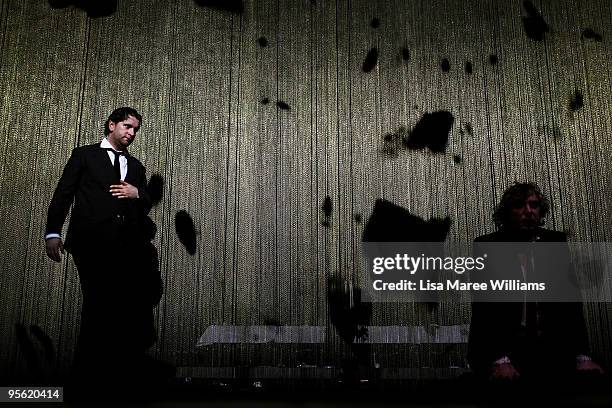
[[584, 366], [54, 246], [124, 190], [504, 371]]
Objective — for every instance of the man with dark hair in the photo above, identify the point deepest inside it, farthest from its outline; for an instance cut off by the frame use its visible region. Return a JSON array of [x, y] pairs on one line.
[[504, 343], [121, 114], [511, 214], [110, 244]]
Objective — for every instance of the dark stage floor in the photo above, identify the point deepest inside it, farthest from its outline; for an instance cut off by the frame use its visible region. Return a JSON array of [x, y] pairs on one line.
[[460, 392]]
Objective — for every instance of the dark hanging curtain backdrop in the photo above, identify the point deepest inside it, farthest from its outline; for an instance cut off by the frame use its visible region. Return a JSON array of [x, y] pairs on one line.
[[275, 130]]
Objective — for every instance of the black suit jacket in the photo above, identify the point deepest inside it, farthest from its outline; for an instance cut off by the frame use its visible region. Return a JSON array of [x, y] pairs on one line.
[[86, 180], [495, 326]]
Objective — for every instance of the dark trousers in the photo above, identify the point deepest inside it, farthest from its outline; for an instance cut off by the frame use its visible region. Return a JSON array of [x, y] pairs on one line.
[[117, 314]]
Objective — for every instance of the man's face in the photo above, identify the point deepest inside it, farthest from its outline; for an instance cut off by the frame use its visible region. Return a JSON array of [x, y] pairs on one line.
[[525, 214], [122, 134]]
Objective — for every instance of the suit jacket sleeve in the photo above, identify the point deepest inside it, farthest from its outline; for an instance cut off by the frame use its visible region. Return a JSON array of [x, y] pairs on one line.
[[566, 319], [64, 193]]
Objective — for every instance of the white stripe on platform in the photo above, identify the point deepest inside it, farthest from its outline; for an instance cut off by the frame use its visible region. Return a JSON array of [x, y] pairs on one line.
[[317, 334]]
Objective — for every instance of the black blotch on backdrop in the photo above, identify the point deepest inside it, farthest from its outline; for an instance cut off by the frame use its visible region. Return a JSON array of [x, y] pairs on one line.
[[269, 321], [263, 41], [94, 9], [393, 143], [457, 159], [99, 8], [346, 309], [431, 131], [185, 230], [493, 59], [283, 105], [265, 101], [358, 218], [534, 24], [375, 23], [468, 128], [59, 4], [327, 209], [45, 341], [351, 316], [155, 188], [468, 67], [391, 223], [405, 54], [370, 60], [553, 131], [233, 6], [589, 34], [576, 101], [445, 65]]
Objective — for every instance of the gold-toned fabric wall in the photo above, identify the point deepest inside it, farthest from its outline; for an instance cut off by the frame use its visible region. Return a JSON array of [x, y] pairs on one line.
[[254, 176]]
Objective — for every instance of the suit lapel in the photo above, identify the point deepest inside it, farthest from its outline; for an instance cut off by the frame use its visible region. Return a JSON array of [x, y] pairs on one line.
[[103, 163], [130, 170]]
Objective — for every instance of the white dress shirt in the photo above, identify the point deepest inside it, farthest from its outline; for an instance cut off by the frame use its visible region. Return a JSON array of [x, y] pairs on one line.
[[122, 159]]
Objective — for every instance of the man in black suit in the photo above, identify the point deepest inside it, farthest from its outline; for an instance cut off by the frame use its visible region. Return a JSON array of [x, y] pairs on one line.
[[504, 343], [110, 247]]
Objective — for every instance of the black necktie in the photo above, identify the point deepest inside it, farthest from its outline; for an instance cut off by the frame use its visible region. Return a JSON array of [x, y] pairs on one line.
[[116, 165]]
